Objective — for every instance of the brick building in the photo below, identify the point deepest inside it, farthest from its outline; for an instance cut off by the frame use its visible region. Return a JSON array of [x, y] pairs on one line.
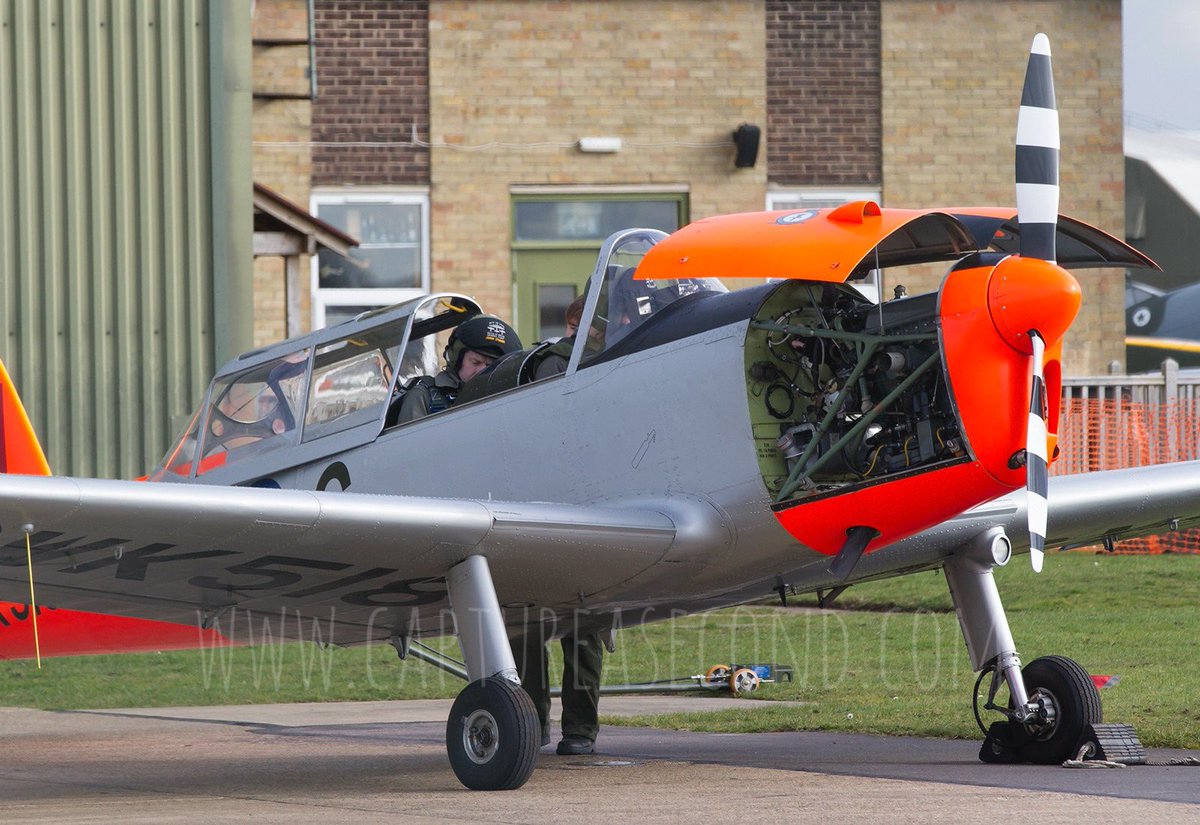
[[445, 134]]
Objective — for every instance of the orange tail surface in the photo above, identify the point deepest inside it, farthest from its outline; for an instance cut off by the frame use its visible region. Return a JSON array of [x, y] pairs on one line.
[[20, 451]]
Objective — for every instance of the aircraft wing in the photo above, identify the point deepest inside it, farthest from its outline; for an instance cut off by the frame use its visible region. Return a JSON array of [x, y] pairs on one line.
[[1115, 504], [1085, 509], [369, 564]]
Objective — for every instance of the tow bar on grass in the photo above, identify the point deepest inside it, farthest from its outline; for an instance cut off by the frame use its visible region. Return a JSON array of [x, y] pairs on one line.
[[738, 679]]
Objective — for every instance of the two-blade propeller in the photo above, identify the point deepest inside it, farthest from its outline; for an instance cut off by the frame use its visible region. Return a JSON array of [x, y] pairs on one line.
[[1037, 213]]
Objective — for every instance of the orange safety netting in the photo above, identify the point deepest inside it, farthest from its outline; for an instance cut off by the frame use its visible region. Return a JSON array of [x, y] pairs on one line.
[[1109, 434]]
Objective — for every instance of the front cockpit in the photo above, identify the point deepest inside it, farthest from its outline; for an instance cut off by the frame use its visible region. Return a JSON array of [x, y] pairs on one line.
[[619, 305], [619, 301]]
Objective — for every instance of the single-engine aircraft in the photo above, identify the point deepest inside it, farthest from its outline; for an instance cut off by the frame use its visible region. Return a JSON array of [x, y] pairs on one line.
[[703, 448]]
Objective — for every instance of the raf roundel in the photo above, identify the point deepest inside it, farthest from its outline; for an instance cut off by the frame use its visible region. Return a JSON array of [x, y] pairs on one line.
[[795, 217]]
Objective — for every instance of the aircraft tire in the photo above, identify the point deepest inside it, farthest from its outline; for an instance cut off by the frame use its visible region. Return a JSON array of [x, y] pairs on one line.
[[493, 735], [1076, 702]]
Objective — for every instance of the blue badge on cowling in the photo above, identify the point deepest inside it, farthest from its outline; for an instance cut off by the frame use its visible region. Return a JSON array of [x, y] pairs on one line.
[[795, 217]]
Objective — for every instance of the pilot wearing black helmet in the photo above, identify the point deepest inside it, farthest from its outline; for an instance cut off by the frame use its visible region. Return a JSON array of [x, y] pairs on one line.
[[473, 346]]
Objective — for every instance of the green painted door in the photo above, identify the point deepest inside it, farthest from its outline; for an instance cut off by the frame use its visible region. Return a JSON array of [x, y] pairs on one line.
[[556, 239], [547, 282]]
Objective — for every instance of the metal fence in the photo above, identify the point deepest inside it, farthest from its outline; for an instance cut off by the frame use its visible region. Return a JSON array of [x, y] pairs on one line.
[[1113, 421], [1168, 385]]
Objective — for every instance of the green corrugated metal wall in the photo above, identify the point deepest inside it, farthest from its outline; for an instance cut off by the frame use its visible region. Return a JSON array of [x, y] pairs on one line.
[[109, 254]]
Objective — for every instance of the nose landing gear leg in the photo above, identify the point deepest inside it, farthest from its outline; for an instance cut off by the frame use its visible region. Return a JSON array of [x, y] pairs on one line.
[[493, 735], [1051, 701]]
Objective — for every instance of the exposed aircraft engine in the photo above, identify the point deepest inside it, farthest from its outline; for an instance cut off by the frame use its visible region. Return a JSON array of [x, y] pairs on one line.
[[845, 391]]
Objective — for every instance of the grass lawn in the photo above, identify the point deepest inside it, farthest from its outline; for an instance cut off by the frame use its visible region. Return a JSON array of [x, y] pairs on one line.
[[890, 659]]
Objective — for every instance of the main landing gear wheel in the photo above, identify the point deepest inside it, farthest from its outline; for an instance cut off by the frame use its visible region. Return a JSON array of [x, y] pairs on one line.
[[1069, 701], [493, 736]]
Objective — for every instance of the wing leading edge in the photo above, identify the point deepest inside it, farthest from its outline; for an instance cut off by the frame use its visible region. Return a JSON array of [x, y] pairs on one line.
[[1090, 507], [1085, 509], [373, 565]]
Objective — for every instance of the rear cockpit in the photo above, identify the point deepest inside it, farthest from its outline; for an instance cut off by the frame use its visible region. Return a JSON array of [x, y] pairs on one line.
[[318, 394]]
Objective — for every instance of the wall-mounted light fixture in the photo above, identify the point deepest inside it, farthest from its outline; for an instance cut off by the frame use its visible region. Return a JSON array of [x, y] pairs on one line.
[[600, 144], [745, 138]]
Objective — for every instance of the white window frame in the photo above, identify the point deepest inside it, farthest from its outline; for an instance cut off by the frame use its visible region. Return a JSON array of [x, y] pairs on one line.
[[324, 299], [819, 197]]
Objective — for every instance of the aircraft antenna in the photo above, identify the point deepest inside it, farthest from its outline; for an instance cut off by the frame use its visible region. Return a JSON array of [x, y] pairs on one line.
[[37, 645]]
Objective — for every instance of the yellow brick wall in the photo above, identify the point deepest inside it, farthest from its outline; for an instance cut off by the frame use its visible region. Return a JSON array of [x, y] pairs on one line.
[[514, 84], [952, 78], [282, 153], [270, 313]]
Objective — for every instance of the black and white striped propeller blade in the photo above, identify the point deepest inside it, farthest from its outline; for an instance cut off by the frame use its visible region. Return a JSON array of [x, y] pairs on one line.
[[1037, 213], [1036, 482], [1037, 156]]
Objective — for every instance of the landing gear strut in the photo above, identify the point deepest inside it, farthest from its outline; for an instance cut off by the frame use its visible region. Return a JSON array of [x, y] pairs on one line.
[[493, 735], [1051, 701]]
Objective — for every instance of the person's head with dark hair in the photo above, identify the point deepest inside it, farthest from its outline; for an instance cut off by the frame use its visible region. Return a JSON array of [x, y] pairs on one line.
[[575, 314]]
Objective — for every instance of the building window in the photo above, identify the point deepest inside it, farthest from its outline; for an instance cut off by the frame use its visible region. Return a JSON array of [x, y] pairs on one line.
[[818, 198], [391, 262], [584, 220]]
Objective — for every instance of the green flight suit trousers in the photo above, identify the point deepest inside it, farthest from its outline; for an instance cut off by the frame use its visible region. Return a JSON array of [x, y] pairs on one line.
[[582, 660]]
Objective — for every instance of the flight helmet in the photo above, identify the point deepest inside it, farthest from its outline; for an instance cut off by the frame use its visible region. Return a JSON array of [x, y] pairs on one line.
[[485, 334]]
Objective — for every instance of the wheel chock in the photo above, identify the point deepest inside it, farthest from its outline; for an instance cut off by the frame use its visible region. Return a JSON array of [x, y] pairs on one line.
[[1111, 743], [998, 747]]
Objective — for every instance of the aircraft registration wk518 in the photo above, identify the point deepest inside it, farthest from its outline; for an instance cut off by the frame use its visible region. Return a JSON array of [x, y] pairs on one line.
[[702, 449]]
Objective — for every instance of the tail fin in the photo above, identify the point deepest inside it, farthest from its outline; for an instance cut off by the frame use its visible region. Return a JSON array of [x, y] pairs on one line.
[[20, 451]]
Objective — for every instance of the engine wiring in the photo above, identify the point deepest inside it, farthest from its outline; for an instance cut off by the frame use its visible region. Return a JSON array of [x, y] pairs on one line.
[[851, 402]]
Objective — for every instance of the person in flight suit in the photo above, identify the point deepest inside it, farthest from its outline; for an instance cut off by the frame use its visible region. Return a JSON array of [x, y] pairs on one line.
[[583, 654], [473, 346], [582, 651], [615, 316], [631, 302], [552, 360]]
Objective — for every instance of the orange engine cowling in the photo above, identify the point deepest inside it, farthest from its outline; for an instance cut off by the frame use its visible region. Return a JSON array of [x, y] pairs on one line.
[[984, 312]]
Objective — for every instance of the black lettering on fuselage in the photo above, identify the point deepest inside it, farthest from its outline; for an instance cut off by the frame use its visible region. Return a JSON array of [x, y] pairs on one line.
[[132, 564], [40, 544]]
